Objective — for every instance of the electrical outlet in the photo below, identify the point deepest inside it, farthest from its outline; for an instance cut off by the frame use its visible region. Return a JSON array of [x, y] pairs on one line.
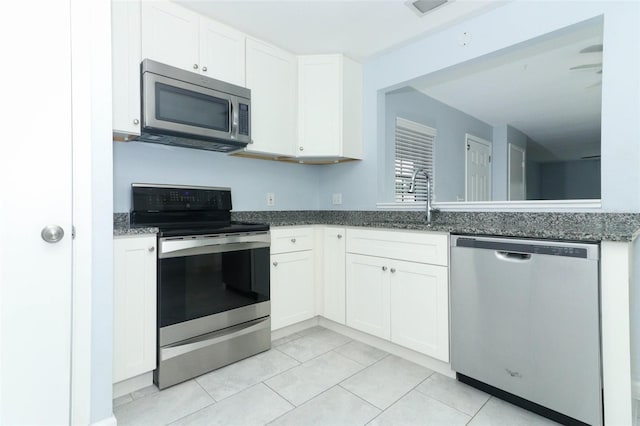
[[271, 199], [337, 198]]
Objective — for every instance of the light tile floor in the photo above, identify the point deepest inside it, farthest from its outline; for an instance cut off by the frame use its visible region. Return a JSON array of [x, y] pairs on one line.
[[319, 377]]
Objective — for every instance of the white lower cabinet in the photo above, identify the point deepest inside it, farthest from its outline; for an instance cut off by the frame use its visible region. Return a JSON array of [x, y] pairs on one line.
[[420, 307], [333, 273], [404, 302], [368, 299], [134, 306], [292, 276]]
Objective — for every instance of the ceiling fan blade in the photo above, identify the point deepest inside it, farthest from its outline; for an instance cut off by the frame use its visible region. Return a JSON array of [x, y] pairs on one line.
[[585, 66], [591, 49]]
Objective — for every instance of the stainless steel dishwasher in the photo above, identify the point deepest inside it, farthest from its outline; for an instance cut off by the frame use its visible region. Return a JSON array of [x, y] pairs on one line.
[[525, 323]]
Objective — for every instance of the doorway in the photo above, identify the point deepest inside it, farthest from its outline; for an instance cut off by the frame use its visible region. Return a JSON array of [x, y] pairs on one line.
[[477, 169]]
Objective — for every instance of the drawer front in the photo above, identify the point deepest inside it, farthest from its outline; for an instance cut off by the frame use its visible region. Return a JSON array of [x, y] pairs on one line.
[[412, 246], [286, 240]]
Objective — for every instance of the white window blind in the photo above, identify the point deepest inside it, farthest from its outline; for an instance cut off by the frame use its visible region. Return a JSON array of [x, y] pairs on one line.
[[414, 150]]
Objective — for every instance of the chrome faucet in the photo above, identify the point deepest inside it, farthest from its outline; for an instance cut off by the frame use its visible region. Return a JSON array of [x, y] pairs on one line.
[[412, 188]]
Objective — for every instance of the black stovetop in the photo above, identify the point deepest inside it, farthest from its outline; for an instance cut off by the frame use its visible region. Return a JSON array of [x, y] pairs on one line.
[[179, 210]]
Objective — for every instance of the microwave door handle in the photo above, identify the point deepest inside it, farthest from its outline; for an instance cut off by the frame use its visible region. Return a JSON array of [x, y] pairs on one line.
[[234, 118]]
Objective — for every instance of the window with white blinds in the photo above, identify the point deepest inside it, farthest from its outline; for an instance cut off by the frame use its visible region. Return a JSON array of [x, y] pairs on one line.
[[414, 150]]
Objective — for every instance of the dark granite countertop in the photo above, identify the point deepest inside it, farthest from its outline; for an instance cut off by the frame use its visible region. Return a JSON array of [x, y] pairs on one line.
[[121, 226], [558, 226]]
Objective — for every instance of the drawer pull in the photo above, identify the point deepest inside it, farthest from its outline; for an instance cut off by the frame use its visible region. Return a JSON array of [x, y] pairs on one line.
[[384, 268], [275, 263], [393, 270], [339, 236], [293, 240]]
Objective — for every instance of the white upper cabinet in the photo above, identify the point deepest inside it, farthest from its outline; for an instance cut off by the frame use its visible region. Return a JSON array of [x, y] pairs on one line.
[[177, 36], [222, 52], [126, 57], [170, 34], [329, 108], [272, 77]]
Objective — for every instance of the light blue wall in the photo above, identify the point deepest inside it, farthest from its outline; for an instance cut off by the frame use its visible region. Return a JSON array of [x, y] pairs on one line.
[[533, 180], [570, 180], [295, 185], [513, 23], [451, 125]]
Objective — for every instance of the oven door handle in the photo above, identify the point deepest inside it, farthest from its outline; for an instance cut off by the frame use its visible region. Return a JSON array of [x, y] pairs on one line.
[[192, 247], [210, 339]]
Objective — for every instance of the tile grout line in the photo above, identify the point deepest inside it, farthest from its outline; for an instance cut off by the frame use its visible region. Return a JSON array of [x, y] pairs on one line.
[[362, 399], [474, 416], [445, 403], [193, 412]]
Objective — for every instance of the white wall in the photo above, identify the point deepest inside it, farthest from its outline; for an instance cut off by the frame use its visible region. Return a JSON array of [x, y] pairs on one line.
[[503, 27]]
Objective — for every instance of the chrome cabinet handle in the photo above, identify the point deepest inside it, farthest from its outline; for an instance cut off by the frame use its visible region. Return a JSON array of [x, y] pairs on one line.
[[293, 240], [136, 121], [393, 270], [275, 263], [151, 249], [195, 66], [204, 69], [52, 233], [384, 268]]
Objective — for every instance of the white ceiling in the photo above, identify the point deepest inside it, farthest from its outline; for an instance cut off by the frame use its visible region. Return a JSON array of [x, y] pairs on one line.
[[530, 87], [357, 28]]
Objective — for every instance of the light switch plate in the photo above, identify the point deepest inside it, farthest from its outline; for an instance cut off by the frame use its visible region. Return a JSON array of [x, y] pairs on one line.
[[271, 199]]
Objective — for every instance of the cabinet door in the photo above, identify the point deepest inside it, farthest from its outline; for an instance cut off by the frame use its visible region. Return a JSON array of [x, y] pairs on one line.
[[272, 77], [368, 295], [221, 52], [134, 306], [420, 308], [320, 105], [126, 58], [170, 34], [292, 288], [334, 274]]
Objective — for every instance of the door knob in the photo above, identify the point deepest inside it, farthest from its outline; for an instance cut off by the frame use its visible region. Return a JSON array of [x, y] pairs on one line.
[[195, 66], [136, 121], [384, 268], [293, 240], [151, 249], [52, 233], [393, 270], [275, 263], [204, 69], [339, 236]]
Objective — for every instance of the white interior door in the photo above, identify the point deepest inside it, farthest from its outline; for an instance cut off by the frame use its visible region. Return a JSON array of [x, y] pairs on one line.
[[478, 169], [517, 173], [35, 276]]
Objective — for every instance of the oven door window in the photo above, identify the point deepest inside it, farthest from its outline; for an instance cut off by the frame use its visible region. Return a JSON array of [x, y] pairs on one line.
[[192, 287], [178, 105]]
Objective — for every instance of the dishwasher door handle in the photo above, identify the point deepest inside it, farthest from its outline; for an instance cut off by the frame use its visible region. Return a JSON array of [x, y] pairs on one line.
[[511, 256]]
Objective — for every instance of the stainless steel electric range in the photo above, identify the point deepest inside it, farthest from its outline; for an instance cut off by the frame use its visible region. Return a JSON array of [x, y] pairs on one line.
[[213, 280]]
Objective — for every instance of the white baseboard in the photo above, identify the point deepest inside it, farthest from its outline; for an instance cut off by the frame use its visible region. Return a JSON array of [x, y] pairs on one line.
[[294, 328], [133, 384], [109, 421], [387, 346]]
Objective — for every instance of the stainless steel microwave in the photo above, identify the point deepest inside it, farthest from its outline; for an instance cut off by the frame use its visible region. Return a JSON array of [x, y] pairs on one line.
[[185, 109]]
